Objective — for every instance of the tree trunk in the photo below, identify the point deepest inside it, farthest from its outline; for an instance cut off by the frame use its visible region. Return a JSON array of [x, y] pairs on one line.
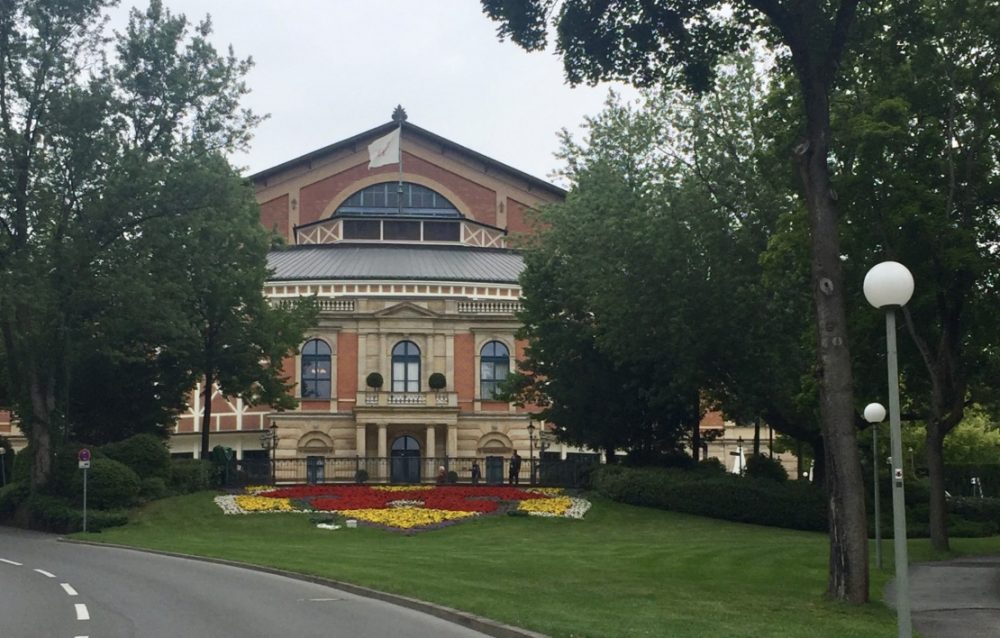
[[848, 578], [696, 441], [938, 505], [42, 399], [206, 418], [756, 437]]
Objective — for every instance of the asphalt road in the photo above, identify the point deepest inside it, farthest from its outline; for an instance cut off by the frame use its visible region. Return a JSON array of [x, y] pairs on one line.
[[50, 589]]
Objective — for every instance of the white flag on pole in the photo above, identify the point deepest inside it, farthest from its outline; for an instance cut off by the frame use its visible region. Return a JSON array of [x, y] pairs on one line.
[[384, 150]]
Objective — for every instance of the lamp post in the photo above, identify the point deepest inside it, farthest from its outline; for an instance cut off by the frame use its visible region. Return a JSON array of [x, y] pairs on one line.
[[3, 470], [875, 414], [269, 441], [890, 285], [531, 449]]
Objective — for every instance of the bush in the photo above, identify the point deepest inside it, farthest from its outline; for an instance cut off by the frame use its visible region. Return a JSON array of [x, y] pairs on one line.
[[452, 477], [361, 476], [437, 381], [711, 466], [145, 454], [190, 475], [11, 496], [53, 514], [110, 485], [764, 467], [153, 488], [374, 380], [793, 504], [983, 510]]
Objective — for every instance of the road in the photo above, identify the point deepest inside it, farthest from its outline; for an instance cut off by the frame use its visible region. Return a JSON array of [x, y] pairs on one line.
[[50, 589]]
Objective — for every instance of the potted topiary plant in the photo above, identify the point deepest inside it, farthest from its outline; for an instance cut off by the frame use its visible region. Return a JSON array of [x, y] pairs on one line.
[[361, 476], [374, 380], [437, 381]]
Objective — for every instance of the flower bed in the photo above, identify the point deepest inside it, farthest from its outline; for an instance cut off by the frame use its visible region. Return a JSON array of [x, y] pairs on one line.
[[405, 507]]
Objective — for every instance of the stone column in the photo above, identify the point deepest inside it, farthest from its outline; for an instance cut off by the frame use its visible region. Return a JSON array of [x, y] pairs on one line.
[[431, 446], [452, 440], [360, 440], [383, 452]]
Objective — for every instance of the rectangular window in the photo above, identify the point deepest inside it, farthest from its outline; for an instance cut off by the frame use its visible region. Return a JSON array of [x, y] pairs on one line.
[[441, 231], [408, 231], [361, 229]]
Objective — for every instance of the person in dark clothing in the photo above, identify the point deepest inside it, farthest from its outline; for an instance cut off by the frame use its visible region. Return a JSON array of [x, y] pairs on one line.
[[476, 473], [515, 468]]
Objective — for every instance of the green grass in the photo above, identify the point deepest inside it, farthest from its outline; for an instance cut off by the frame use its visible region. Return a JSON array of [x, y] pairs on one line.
[[621, 572]]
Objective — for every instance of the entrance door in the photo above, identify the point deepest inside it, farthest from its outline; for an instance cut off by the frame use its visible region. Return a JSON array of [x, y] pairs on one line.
[[405, 460], [314, 469]]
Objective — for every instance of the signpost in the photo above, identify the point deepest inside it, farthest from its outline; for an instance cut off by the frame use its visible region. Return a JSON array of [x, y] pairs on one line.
[[84, 460]]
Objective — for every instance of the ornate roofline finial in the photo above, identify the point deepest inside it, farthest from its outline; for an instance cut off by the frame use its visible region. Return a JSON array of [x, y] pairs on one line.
[[399, 114]]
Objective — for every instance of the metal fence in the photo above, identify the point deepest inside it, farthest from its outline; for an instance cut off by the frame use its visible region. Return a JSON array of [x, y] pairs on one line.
[[494, 470]]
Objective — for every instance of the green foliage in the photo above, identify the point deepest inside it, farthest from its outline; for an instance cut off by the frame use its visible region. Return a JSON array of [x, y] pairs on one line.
[[437, 381], [190, 475], [711, 466], [145, 454], [764, 467], [152, 488], [793, 505], [110, 485], [11, 496], [452, 477], [53, 514], [374, 380], [361, 476]]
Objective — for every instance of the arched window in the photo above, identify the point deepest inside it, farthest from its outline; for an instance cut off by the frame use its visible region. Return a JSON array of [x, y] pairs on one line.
[[383, 200], [405, 367], [494, 362], [316, 370]]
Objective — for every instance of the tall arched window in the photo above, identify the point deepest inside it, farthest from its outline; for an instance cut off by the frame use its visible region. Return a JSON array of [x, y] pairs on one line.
[[316, 369], [405, 367], [494, 363]]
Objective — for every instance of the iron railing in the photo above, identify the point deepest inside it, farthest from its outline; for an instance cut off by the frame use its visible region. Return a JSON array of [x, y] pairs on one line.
[[494, 470]]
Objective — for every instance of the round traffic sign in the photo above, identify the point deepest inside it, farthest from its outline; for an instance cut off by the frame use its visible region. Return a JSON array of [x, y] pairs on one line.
[[84, 455]]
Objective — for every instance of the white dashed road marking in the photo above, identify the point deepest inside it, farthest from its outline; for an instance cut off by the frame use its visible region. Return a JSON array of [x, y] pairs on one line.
[[10, 562], [81, 612], [45, 573], [68, 588]]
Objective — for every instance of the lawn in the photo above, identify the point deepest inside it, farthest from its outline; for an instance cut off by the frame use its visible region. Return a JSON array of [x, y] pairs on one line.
[[622, 571]]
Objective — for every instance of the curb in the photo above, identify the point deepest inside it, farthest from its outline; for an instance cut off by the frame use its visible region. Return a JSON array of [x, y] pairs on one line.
[[461, 618]]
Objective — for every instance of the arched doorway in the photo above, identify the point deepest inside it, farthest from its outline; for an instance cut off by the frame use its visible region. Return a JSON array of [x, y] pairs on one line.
[[405, 466]]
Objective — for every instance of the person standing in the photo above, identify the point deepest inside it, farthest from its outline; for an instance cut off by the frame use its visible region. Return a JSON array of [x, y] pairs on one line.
[[476, 473], [515, 468]]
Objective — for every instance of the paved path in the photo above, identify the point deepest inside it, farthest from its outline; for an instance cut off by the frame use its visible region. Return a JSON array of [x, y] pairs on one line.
[[957, 598], [50, 589]]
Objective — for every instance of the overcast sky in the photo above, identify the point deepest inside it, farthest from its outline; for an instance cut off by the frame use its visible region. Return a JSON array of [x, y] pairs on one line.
[[329, 69]]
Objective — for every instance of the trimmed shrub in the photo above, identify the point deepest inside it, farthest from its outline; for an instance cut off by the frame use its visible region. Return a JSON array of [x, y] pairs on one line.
[[763, 467], [153, 488], [53, 514], [361, 476], [452, 477], [145, 454], [983, 510], [374, 380], [11, 496], [711, 466], [190, 475], [437, 381], [794, 504], [110, 485]]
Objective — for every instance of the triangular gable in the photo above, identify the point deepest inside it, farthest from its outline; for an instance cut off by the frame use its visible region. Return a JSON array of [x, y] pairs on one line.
[[406, 309]]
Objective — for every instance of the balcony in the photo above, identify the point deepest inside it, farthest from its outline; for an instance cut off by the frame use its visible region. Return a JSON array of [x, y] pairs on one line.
[[431, 399]]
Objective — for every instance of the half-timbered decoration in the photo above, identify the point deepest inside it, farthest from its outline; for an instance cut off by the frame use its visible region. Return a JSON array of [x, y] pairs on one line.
[[410, 259]]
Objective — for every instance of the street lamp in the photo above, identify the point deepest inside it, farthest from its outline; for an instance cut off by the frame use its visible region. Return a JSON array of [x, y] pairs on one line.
[[269, 441], [531, 449], [3, 470], [890, 285], [875, 414]]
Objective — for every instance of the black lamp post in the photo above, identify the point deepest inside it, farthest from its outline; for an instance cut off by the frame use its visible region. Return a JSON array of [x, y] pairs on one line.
[[269, 441], [531, 449], [3, 470]]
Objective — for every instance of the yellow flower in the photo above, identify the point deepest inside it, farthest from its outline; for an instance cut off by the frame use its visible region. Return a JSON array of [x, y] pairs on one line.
[[261, 504], [405, 517], [555, 506], [547, 491]]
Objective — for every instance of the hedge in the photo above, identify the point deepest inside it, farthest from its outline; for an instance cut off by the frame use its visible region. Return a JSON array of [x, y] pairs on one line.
[[52, 514], [145, 454], [191, 475], [793, 505]]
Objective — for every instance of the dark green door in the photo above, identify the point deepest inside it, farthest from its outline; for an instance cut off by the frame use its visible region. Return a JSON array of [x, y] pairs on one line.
[[405, 460]]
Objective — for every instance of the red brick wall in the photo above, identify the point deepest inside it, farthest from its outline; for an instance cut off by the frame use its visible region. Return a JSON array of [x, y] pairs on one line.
[[465, 370], [274, 215], [347, 370]]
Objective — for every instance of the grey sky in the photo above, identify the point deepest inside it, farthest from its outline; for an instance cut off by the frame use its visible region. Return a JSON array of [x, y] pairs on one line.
[[328, 69]]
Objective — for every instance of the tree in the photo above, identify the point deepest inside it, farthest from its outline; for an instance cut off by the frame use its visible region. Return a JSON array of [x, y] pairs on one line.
[[680, 42], [920, 113], [211, 264], [85, 145]]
